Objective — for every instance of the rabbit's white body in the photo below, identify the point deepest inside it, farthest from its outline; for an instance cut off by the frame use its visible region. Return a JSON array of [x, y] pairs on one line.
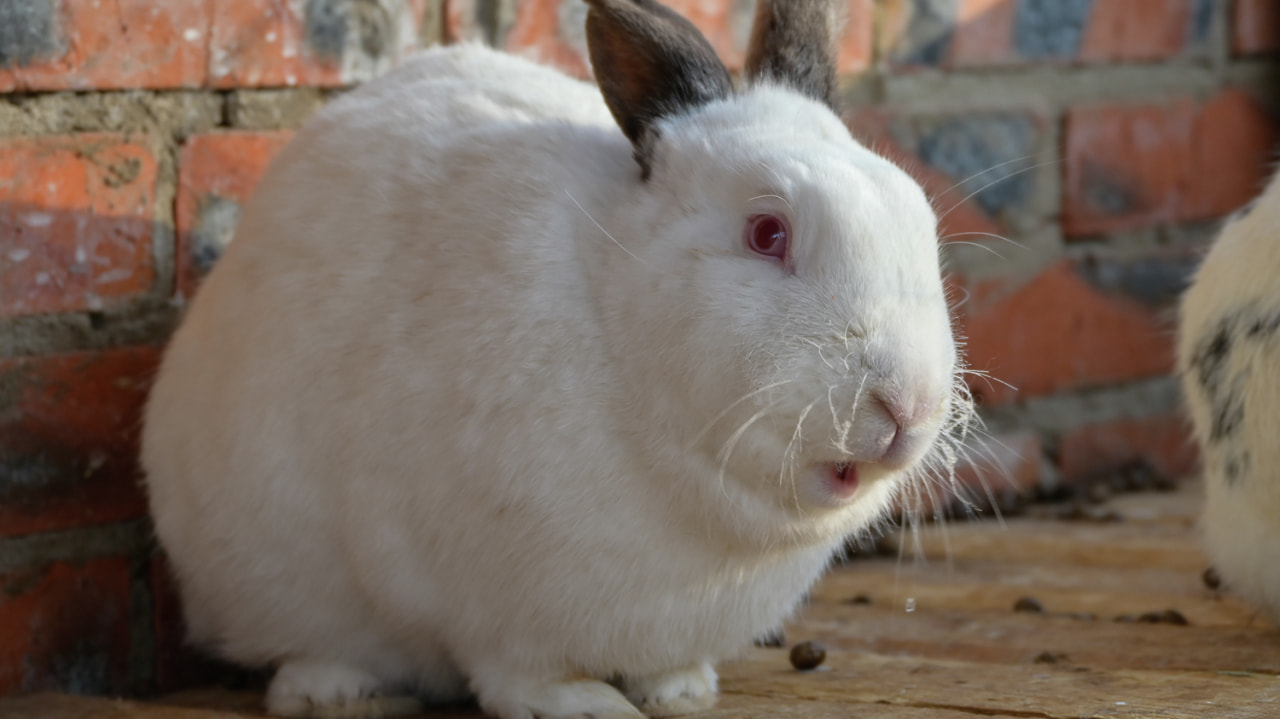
[[429, 426], [1229, 354]]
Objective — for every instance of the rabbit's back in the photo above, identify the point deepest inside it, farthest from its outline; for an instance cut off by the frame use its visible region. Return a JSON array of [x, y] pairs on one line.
[[1230, 360], [392, 246]]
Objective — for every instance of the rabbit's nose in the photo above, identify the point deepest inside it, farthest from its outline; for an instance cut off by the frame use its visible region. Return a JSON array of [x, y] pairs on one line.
[[912, 419]]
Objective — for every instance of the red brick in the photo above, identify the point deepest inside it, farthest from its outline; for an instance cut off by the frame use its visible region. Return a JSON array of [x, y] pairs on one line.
[[68, 438], [551, 31], [727, 25], [76, 222], [1234, 154], [110, 44], [256, 43], [545, 32], [260, 43], [1134, 30], [858, 40], [1003, 32], [954, 199], [1256, 27], [217, 173], [984, 33], [66, 627], [1137, 166], [1163, 442], [1057, 332]]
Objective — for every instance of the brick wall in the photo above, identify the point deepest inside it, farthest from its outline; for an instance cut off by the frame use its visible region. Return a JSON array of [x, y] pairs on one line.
[[1102, 138]]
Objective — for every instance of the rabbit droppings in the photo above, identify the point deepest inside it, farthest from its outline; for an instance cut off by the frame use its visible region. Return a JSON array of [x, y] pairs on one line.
[[1229, 358], [487, 397]]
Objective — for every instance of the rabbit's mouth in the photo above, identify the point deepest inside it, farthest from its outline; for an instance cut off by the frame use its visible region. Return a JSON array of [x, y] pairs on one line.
[[842, 479]]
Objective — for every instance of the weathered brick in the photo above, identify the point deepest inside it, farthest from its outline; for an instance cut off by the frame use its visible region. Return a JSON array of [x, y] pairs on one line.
[[68, 438], [959, 33], [1136, 30], [1136, 166], [976, 167], [985, 32], [1162, 442], [552, 31], [1256, 27], [1068, 327], [66, 627], [217, 173], [107, 44], [77, 217], [261, 43]]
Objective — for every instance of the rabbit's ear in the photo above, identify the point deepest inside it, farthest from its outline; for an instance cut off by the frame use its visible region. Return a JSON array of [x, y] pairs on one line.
[[650, 63], [793, 43]]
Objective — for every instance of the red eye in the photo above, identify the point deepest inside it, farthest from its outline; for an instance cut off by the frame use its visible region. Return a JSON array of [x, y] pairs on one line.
[[767, 235]]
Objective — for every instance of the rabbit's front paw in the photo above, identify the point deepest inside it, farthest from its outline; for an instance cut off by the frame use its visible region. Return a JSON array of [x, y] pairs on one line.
[[569, 699], [332, 691], [685, 691]]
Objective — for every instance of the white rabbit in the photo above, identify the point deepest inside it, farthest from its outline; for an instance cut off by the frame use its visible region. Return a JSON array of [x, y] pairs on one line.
[[1229, 359], [489, 397]]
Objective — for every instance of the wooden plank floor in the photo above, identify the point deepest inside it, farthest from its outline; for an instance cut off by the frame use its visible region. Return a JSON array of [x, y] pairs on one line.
[[939, 638]]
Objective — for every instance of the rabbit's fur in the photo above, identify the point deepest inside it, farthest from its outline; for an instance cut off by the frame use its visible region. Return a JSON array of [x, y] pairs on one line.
[[1229, 358], [489, 397]]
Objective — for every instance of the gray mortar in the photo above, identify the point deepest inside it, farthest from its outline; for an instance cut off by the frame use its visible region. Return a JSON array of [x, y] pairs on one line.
[[76, 545], [1057, 88], [1140, 242], [140, 322], [274, 109], [1057, 415], [174, 114]]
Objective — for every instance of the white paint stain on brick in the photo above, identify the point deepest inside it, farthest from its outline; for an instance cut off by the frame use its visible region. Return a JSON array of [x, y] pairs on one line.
[[120, 274]]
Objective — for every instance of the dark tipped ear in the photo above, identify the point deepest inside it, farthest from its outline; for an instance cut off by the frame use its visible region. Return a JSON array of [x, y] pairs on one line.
[[650, 63], [793, 43]]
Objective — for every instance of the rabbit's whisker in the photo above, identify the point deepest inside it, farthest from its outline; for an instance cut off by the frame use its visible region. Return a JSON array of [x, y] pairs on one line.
[[600, 227]]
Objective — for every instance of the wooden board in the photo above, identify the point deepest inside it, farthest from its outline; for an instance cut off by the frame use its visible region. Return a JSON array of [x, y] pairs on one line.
[[940, 639]]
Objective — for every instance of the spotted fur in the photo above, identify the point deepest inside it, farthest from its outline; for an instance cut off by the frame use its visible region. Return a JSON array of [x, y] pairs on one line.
[[1229, 357]]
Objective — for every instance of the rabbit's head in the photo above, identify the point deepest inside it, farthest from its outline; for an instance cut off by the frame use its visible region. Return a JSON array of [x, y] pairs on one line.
[[781, 289]]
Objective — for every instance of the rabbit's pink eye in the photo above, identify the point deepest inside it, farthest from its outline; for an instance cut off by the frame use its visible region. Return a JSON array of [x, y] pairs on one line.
[[767, 235]]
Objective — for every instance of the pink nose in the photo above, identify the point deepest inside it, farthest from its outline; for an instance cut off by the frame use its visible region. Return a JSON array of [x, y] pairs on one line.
[[908, 412], [902, 444]]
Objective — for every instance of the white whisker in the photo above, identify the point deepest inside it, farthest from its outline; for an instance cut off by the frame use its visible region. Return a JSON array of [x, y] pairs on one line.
[[996, 181], [601, 228], [702, 434]]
